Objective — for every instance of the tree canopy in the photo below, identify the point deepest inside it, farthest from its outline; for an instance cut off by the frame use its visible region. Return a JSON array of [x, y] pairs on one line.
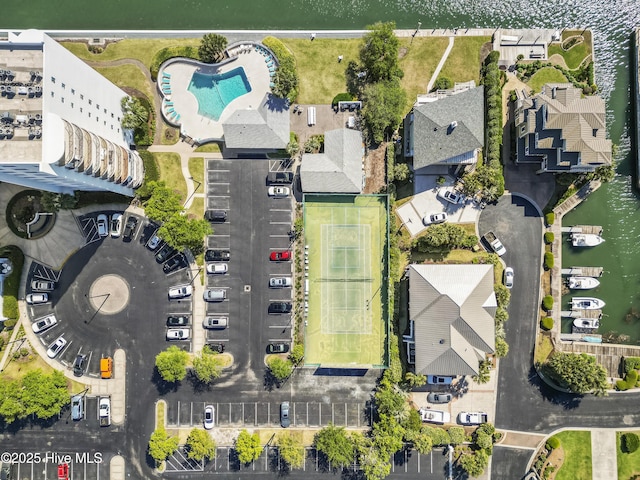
[[200, 445], [580, 373], [383, 108], [279, 368], [161, 445], [134, 113], [291, 450], [172, 364], [39, 394], [212, 47], [333, 442], [163, 203], [248, 447], [181, 232], [379, 53], [207, 366]]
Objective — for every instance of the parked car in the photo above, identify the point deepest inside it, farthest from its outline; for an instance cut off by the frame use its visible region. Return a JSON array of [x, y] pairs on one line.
[[285, 421], [77, 408], [439, 380], [508, 277], [472, 418], [216, 216], [217, 268], [79, 365], [154, 242], [215, 322], [102, 222], [116, 225], [130, 228], [279, 282], [56, 347], [165, 252], [177, 321], [180, 291], [178, 334], [279, 177], [280, 307], [216, 347], [214, 295], [217, 256], [283, 256], [435, 218], [278, 192], [37, 298], [209, 417], [435, 397], [44, 323], [42, 285], [450, 196], [173, 264], [278, 348]]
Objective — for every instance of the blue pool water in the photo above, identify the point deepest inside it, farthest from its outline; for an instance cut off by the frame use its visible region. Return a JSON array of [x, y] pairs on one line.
[[215, 92]]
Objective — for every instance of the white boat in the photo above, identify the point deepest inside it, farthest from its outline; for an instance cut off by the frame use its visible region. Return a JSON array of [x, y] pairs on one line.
[[586, 323], [586, 303], [586, 239], [583, 283]]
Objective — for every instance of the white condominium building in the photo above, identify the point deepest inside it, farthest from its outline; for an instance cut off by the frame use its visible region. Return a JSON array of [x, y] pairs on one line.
[[60, 121]]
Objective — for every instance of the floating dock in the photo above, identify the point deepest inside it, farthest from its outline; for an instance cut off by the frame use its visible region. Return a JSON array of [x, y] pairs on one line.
[[583, 271], [581, 313], [587, 229], [580, 337]]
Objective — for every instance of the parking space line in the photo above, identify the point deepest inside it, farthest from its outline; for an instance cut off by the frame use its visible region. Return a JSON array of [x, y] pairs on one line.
[[279, 223], [279, 236], [213, 170], [218, 183], [280, 210], [279, 326], [219, 196]]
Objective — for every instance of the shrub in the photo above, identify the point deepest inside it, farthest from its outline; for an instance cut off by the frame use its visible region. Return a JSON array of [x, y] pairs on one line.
[[629, 442], [553, 443], [547, 323], [549, 218], [10, 310], [631, 363], [630, 381], [548, 261], [286, 79], [341, 97], [549, 237], [170, 52], [547, 303]]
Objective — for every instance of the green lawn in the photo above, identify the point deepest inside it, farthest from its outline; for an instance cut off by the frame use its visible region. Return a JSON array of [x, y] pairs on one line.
[[577, 455], [128, 76], [321, 76], [628, 463], [545, 75], [196, 169], [171, 172], [196, 210], [208, 148], [463, 63], [576, 54], [142, 49]]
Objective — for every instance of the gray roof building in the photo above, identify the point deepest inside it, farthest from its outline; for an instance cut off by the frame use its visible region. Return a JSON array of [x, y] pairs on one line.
[[562, 130], [266, 128], [447, 131], [339, 168], [452, 308]]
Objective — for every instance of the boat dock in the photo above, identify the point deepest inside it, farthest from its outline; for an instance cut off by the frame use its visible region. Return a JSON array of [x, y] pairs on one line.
[[581, 313], [587, 229], [580, 337], [583, 271]]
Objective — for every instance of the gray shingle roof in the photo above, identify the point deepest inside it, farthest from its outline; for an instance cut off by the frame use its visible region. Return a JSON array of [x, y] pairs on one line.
[[453, 309], [434, 141], [265, 128], [339, 168]]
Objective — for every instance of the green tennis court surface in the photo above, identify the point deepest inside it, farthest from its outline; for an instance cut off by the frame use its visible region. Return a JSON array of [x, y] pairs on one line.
[[345, 239]]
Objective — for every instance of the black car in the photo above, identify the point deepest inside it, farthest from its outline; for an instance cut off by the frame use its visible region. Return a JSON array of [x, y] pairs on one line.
[[276, 178], [216, 347], [173, 264], [280, 307], [216, 215], [80, 365], [278, 348], [129, 228], [165, 252], [177, 321], [217, 255]]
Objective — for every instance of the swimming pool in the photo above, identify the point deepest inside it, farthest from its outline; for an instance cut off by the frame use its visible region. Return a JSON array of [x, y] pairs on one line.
[[215, 92]]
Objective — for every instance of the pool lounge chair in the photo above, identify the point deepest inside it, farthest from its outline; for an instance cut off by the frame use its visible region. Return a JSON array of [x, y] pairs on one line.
[[178, 118], [267, 59], [165, 74], [272, 69], [170, 110], [271, 85], [270, 64]]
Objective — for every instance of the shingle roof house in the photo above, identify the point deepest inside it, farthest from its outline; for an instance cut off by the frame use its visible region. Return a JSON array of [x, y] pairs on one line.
[[452, 308], [265, 128], [448, 131], [562, 130], [339, 168]]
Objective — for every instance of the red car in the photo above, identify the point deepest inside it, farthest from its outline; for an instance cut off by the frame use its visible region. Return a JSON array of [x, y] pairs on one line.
[[280, 256], [63, 471]]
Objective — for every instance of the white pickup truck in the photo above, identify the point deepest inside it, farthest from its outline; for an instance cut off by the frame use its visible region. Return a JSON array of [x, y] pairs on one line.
[[495, 243], [434, 416], [105, 411], [473, 418]]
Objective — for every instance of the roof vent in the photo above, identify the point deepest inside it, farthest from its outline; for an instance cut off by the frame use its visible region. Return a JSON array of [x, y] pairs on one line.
[[453, 125], [442, 341]]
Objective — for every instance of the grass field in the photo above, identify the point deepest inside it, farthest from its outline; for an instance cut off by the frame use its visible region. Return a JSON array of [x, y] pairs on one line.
[[128, 76], [576, 54], [463, 62], [628, 463], [577, 455], [545, 75], [346, 324], [171, 172]]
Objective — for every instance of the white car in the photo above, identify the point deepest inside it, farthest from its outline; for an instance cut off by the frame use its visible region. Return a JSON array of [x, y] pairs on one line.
[[508, 277], [279, 282], [217, 268], [36, 298], [56, 347], [180, 291], [116, 224], [439, 380], [279, 192], [154, 242], [102, 221], [44, 323], [450, 196], [42, 285], [209, 417], [435, 218], [178, 334]]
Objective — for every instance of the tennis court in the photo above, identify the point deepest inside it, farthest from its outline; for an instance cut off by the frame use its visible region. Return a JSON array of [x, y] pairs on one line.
[[346, 321]]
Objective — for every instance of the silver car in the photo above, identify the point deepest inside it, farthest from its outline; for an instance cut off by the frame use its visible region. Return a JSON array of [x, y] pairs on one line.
[[44, 323], [508, 277], [36, 298], [280, 282]]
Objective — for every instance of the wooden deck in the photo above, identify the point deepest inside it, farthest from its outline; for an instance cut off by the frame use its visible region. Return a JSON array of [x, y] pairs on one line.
[[587, 229], [608, 355], [581, 313], [583, 271]]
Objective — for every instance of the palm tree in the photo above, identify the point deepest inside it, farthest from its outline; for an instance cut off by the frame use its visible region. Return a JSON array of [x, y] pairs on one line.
[[211, 47]]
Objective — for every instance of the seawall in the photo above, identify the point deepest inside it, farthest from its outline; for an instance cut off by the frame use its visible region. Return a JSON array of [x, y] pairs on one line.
[[635, 90]]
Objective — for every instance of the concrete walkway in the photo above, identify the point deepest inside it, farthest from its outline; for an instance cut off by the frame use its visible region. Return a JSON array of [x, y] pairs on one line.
[[445, 55], [604, 458]]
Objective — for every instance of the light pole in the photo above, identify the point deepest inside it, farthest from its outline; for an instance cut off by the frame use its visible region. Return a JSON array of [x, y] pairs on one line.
[[106, 297]]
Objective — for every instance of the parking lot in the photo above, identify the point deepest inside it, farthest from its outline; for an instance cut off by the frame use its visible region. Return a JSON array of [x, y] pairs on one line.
[[256, 225], [79, 468]]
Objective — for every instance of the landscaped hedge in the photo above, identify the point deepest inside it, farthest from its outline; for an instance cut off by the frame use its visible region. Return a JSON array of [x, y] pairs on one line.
[[548, 260], [631, 363], [547, 303], [549, 218], [549, 237], [553, 443], [12, 282], [286, 79], [629, 442], [630, 381], [170, 52], [341, 97], [547, 323]]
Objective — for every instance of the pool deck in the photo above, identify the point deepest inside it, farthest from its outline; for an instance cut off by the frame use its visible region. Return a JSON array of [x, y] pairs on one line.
[[184, 103]]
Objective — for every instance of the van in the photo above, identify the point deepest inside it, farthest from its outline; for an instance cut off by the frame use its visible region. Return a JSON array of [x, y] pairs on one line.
[[216, 215], [106, 367], [214, 295], [77, 407]]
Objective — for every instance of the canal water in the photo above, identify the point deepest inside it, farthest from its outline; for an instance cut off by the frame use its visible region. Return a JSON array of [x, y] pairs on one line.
[[615, 206]]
